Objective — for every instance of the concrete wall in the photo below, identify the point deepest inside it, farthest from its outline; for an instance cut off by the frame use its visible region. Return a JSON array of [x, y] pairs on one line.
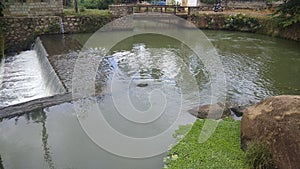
[[30, 9]]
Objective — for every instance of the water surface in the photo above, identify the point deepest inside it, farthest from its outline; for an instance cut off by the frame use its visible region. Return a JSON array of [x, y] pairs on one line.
[[256, 66]]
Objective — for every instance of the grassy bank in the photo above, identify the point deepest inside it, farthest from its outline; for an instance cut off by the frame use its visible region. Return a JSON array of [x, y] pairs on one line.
[[86, 12], [221, 150]]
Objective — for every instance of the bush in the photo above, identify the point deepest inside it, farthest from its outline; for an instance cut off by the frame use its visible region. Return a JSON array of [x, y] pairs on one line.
[[259, 156], [242, 22], [209, 1], [97, 4], [288, 13], [81, 9]]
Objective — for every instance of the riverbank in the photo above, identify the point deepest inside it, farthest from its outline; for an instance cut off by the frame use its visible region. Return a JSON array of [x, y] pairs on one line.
[[221, 150], [21, 31], [246, 21]]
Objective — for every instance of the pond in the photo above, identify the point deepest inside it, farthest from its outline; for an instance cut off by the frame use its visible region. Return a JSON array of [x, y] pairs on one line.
[[255, 66]]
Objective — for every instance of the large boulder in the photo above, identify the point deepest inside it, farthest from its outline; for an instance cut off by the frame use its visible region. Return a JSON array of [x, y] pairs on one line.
[[275, 122]]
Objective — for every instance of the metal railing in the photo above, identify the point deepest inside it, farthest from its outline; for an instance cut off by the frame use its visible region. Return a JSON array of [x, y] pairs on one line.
[[172, 9]]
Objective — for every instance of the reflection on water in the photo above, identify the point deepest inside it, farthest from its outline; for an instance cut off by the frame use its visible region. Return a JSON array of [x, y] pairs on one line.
[[61, 144], [1, 163], [47, 153]]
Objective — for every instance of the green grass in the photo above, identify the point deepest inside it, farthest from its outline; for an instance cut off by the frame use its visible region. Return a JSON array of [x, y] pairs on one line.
[[221, 151], [87, 12], [259, 156]]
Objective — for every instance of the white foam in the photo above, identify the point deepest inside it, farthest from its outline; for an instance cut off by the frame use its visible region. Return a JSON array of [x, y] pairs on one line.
[[22, 79]]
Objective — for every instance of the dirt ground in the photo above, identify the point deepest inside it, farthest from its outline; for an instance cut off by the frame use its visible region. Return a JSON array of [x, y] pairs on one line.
[[261, 13]]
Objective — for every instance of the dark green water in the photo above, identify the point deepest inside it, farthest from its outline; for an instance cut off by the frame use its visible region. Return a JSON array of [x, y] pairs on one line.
[[256, 66]]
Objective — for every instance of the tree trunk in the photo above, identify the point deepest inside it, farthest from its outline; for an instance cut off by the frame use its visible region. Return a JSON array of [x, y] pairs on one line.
[[75, 6]]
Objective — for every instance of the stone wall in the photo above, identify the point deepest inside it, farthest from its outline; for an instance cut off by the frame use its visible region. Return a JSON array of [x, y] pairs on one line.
[[84, 24], [53, 7], [120, 10], [21, 31]]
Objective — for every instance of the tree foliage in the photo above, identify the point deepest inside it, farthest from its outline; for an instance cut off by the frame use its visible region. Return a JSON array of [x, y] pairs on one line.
[[97, 4], [1, 9], [288, 13]]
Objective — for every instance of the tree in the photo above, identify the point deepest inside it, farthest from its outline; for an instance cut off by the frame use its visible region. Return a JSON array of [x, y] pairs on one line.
[[288, 13]]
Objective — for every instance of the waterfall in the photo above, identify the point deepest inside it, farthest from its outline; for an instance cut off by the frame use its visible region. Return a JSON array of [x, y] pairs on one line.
[[28, 76], [61, 25], [50, 77]]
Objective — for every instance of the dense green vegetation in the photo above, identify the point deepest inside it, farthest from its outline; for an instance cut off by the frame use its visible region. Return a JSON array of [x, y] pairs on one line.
[[92, 4], [210, 1], [97, 4], [242, 22], [1, 9], [221, 150], [87, 12], [288, 13]]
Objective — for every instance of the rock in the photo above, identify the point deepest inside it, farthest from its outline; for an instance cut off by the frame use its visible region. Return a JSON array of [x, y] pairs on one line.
[[238, 110], [212, 109], [275, 122], [142, 84]]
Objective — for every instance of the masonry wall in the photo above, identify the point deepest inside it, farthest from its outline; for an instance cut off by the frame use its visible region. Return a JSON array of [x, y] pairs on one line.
[[30, 9], [120, 10], [21, 31]]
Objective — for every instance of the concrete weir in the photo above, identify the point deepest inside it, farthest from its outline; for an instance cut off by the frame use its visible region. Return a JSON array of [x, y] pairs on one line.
[[55, 89], [52, 80]]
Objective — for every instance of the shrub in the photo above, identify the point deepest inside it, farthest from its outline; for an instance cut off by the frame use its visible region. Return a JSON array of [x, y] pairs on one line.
[[242, 22], [81, 9], [288, 13], [97, 4], [209, 1]]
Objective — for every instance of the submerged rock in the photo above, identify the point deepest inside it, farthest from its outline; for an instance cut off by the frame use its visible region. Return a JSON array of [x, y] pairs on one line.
[[142, 85], [212, 111], [275, 122]]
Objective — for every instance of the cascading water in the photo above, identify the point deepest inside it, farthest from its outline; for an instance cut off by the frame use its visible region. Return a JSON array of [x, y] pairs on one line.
[[28, 76], [49, 76], [61, 25]]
